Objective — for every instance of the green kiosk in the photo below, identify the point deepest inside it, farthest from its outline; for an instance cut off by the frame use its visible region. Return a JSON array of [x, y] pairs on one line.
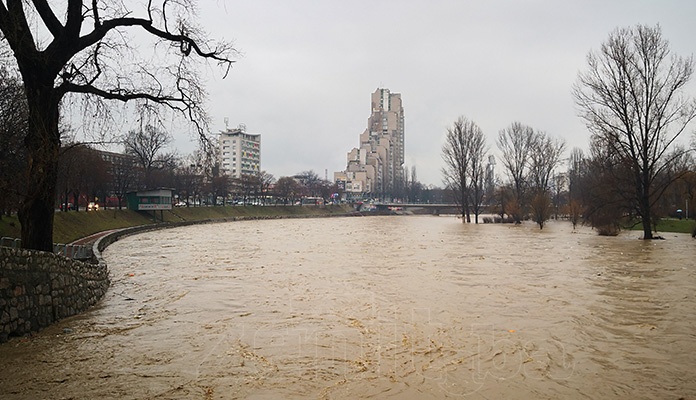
[[150, 200]]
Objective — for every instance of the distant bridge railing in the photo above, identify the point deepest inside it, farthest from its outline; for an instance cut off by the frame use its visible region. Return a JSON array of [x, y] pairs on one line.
[[439, 208], [77, 252]]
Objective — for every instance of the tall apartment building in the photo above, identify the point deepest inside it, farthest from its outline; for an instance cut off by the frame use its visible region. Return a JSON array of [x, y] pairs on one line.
[[240, 152], [376, 167]]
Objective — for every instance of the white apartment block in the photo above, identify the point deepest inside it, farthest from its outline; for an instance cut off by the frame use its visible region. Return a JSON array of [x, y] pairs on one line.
[[240, 152], [376, 167]]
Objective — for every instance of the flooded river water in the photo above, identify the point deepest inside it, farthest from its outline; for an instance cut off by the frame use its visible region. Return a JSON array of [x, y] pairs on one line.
[[379, 307]]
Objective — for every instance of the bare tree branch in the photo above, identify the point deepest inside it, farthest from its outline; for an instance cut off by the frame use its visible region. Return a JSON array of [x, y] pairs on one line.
[[631, 98]]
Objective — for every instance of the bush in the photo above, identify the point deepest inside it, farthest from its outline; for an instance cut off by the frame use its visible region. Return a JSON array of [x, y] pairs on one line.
[[608, 230]]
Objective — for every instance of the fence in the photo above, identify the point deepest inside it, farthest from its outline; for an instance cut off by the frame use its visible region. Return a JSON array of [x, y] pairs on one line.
[[77, 252]]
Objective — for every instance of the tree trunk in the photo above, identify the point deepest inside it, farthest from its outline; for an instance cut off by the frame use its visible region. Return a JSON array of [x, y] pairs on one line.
[[43, 144], [647, 227], [645, 211], [646, 218], [76, 200]]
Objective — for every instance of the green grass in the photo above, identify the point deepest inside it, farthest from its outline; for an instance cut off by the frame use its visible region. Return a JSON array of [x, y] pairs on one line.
[[9, 226], [73, 225], [671, 225]]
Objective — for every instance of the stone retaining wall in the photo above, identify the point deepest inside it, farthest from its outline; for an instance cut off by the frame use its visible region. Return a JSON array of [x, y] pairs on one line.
[[39, 288]]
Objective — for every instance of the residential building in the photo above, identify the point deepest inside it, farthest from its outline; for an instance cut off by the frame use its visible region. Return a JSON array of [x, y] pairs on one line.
[[375, 169], [240, 152]]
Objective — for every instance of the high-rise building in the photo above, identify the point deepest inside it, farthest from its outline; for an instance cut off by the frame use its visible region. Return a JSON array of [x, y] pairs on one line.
[[240, 152], [376, 167]]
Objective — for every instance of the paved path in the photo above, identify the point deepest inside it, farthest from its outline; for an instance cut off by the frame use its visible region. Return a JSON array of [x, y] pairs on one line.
[[89, 240]]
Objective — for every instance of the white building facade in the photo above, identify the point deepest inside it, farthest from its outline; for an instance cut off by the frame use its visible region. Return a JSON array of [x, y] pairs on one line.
[[240, 152]]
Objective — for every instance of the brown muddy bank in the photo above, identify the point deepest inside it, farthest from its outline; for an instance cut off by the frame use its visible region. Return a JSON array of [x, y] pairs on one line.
[[383, 307]]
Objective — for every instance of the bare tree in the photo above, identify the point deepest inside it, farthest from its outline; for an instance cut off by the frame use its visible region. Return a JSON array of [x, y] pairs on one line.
[[287, 188], [455, 153], [147, 147], [189, 180], [266, 180], [219, 186], [248, 186], [463, 153], [124, 175], [311, 182], [632, 100], [576, 163], [413, 188], [515, 143], [82, 175], [69, 51], [545, 156], [13, 128], [687, 191], [558, 187], [70, 172], [477, 173]]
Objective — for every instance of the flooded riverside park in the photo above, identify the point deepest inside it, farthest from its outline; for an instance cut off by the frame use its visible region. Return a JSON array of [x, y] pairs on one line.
[[404, 307]]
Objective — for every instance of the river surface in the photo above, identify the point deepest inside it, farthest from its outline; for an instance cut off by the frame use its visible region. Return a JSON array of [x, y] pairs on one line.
[[375, 307]]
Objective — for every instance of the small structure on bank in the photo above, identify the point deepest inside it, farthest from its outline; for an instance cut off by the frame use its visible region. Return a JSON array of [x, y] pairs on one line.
[[150, 200]]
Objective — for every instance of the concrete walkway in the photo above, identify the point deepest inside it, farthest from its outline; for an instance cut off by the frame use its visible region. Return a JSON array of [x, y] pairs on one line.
[[91, 239]]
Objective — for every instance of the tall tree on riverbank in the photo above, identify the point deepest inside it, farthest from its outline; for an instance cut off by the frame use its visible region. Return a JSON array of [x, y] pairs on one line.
[[515, 143], [70, 48], [632, 99], [464, 154], [545, 156]]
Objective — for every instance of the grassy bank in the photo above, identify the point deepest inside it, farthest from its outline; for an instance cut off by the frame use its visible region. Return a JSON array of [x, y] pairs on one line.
[[672, 225], [73, 225]]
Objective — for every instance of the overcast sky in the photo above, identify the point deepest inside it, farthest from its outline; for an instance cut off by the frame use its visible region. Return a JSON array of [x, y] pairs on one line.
[[307, 69]]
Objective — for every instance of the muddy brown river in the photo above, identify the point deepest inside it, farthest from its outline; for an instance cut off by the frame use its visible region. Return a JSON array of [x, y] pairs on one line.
[[375, 307]]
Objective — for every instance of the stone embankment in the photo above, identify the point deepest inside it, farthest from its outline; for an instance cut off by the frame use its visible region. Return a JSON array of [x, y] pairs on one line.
[[38, 288]]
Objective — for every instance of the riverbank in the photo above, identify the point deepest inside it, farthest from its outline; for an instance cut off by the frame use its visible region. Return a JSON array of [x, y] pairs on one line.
[[72, 226]]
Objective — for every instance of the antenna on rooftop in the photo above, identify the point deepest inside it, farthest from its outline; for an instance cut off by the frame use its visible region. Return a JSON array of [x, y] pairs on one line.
[[227, 123]]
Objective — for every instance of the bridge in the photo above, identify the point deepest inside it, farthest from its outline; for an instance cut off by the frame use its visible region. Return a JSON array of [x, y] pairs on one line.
[[434, 209]]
